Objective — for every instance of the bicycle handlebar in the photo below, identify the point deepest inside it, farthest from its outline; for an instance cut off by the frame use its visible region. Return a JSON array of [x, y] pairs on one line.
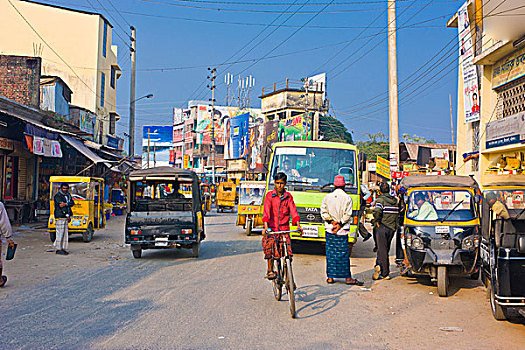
[[279, 232]]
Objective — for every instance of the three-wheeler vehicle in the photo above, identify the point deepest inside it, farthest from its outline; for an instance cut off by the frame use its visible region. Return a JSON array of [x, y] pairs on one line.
[[88, 211], [250, 208], [225, 199], [442, 227], [206, 198], [503, 243], [159, 215], [118, 200]]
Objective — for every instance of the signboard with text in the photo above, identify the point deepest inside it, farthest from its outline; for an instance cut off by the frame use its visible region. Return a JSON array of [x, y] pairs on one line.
[[506, 131], [508, 69], [383, 167]]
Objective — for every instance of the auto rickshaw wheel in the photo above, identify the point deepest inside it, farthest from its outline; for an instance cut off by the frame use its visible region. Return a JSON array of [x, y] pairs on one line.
[[498, 311], [87, 235], [442, 281], [195, 249], [137, 253], [249, 227], [52, 236]]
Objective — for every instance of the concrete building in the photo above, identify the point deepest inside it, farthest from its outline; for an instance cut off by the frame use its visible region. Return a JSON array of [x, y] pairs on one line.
[[494, 143], [73, 45]]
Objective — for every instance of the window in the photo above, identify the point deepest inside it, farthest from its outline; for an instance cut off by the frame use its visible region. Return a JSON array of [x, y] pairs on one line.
[[112, 123], [102, 88], [113, 77], [104, 39]]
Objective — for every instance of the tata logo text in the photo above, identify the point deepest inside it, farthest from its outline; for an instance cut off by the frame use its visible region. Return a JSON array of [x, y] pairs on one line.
[[314, 210]]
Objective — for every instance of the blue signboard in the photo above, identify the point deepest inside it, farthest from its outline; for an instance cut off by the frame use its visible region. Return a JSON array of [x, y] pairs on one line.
[[113, 142], [236, 142]]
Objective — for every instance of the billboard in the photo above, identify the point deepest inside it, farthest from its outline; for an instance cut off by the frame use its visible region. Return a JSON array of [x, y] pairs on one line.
[[236, 134], [470, 75], [256, 154], [296, 128], [383, 167], [160, 141]]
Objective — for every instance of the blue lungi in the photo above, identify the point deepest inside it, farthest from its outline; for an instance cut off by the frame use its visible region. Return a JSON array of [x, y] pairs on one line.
[[337, 256]]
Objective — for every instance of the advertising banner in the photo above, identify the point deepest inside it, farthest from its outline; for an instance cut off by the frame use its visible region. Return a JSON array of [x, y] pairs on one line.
[[186, 161], [297, 128], [47, 148], [86, 121], [160, 143], [383, 167], [257, 144], [510, 68], [236, 134], [470, 75], [506, 131], [177, 116]]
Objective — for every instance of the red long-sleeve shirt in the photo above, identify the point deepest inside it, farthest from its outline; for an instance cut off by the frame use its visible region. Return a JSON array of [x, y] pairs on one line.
[[278, 210]]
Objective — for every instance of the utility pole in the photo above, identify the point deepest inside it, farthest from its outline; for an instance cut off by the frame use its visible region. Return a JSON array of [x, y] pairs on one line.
[[148, 147], [392, 91], [212, 87], [154, 155], [451, 119], [131, 145]]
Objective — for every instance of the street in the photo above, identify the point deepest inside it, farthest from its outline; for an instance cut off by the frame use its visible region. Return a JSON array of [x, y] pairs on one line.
[[101, 297]]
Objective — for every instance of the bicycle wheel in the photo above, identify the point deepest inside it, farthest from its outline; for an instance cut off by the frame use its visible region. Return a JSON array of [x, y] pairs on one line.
[[290, 286], [277, 282]]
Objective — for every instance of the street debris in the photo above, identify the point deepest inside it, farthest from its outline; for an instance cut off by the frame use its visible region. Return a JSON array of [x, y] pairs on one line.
[[366, 289], [450, 329]]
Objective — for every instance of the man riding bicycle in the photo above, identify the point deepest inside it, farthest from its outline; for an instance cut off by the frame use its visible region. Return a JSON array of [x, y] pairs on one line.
[[278, 208]]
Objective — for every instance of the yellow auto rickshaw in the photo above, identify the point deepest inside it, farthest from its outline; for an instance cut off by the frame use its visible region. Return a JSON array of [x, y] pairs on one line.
[[226, 192], [250, 209], [88, 211]]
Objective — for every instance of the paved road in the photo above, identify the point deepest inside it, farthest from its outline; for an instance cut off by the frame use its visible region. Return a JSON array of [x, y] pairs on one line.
[[220, 300]]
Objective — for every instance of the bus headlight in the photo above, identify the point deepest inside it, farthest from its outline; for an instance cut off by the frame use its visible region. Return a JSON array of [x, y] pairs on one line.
[[470, 242]]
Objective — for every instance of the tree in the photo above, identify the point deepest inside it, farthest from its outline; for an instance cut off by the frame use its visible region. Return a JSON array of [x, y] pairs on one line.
[[331, 129], [417, 139], [376, 144]]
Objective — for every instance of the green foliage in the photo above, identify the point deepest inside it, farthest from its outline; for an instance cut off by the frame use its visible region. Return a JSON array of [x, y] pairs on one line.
[[417, 139], [376, 144], [333, 130]]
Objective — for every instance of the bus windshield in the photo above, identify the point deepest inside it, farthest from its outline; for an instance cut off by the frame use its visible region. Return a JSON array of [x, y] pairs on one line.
[[312, 167]]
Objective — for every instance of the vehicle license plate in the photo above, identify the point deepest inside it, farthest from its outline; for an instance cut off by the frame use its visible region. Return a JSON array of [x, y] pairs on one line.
[[161, 242], [75, 223], [442, 229], [310, 231]]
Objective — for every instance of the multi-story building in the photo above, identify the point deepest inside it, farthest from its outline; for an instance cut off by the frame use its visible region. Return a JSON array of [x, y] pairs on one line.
[[73, 45], [491, 106]]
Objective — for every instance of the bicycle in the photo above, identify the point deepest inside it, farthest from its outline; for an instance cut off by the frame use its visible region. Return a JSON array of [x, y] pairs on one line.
[[284, 272]]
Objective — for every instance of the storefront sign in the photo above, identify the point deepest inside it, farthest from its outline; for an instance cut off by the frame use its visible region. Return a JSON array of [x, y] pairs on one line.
[[6, 144], [372, 167], [506, 131], [470, 75], [172, 157], [383, 167], [186, 161], [112, 142], [47, 148], [237, 165], [508, 68]]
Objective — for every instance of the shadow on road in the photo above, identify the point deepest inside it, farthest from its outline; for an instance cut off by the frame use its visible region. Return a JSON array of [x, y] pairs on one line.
[[319, 299]]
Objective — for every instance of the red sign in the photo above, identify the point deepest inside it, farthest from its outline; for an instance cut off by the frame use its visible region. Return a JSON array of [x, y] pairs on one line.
[[396, 174], [6, 144], [172, 156]]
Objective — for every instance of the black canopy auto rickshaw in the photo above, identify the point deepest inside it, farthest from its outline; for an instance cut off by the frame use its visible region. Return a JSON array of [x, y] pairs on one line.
[[160, 215], [503, 243], [442, 233]]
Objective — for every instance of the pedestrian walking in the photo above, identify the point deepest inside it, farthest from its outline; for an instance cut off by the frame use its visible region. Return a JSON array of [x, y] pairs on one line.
[[63, 213], [336, 211], [279, 210], [5, 230], [386, 213]]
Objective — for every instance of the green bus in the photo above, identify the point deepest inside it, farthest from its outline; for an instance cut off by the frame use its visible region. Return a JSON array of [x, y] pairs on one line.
[[311, 167]]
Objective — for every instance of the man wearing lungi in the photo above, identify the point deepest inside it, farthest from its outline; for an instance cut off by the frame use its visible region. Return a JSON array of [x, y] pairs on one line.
[[5, 230], [63, 213], [336, 211]]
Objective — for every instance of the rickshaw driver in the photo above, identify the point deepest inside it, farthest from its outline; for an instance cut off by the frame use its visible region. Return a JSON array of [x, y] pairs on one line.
[[279, 206], [497, 207], [425, 211]]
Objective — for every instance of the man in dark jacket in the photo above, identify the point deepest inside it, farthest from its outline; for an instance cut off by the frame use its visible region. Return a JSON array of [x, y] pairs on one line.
[[63, 214], [386, 213]]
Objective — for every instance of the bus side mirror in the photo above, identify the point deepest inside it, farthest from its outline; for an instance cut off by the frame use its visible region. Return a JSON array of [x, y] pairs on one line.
[[477, 199], [361, 159]]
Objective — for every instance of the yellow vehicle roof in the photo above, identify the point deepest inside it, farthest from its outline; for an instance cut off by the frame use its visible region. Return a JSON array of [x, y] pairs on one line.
[[74, 179]]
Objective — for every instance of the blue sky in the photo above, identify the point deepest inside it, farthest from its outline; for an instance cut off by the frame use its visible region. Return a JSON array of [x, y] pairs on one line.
[[169, 42]]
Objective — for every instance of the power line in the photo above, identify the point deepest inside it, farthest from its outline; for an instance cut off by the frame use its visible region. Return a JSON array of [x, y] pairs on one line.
[[287, 3], [118, 12]]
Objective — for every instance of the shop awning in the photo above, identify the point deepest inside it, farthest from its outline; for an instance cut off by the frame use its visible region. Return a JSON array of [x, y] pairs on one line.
[[80, 147]]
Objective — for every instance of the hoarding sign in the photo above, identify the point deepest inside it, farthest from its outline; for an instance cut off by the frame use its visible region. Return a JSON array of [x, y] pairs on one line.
[[186, 161], [509, 68], [506, 131], [159, 138], [470, 75], [383, 167], [256, 154], [236, 132], [297, 128], [177, 116], [47, 148], [172, 157]]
